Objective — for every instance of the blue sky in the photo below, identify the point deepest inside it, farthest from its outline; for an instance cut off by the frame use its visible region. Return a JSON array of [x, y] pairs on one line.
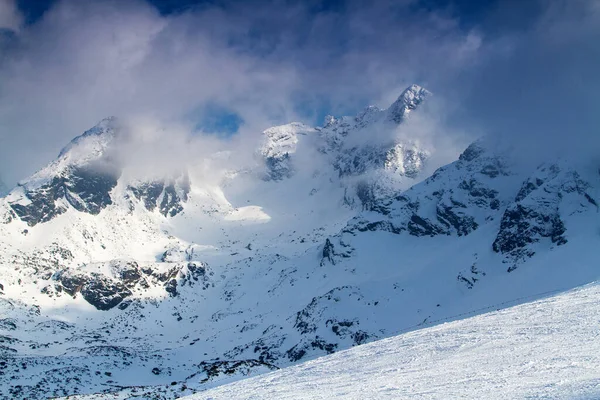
[[234, 68], [217, 118], [470, 12]]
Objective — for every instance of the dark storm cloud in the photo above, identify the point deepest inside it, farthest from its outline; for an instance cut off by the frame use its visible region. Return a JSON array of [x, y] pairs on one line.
[[274, 61]]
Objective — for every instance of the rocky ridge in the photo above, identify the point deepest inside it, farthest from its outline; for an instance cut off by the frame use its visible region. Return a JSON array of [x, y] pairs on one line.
[[108, 283]]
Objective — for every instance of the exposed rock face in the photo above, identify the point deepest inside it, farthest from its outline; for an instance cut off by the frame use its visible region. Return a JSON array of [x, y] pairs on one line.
[[456, 199], [522, 225], [279, 167], [149, 193], [405, 160], [84, 177], [8, 324], [87, 189], [104, 294], [267, 348], [190, 274], [418, 226], [472, 152], [279, 145], [298, 352], [168, 195], [452, 216], [298, 279], [328, 252], [471, 276], [42, 206], [331, 255], [322, 328], [211, 370], [106, 291], [538, 210], [98, 290], [350, 144], [409, 100]]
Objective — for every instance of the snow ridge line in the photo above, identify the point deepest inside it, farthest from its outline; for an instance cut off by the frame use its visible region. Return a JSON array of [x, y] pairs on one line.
[[478, 311]]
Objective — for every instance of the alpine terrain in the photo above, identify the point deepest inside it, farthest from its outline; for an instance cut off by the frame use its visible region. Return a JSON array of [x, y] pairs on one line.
[[118, 279], [546, 349]]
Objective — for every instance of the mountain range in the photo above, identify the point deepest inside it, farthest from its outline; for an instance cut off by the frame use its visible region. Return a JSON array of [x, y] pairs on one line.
[[115, 277]]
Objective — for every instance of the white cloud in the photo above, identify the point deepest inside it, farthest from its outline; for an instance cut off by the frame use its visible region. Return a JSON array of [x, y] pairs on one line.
[[85, 60], [10, 17]]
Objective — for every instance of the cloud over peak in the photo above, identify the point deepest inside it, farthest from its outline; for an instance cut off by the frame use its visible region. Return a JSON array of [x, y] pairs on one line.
[[271, 63]]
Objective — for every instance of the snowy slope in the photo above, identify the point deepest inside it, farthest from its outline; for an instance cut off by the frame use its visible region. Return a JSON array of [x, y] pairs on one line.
[[112, 279], [548, 349]]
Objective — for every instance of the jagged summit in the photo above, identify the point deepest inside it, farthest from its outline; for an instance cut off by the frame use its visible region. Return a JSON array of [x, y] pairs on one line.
[[81, 177], [101, 134], [367, 116], [409, 100], [331, 237], [283, 139], [85, 151], [88, 169], [84, 178], [353, 145], [279, 144]]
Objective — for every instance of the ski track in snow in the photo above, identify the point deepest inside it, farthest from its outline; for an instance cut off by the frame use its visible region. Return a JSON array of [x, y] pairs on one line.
[[548, 349]]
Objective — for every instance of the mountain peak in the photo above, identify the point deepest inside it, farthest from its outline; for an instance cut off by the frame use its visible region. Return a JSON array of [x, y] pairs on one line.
[[329, 121], [83, 150], [409, 100], [279, 142], [102, 132], [367, 116]]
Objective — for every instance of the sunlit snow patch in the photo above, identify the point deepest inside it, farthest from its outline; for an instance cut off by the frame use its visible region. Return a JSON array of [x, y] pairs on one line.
[[248, 214]]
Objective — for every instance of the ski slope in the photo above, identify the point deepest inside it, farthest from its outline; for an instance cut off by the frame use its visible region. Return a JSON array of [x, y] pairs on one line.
[[547, 349]]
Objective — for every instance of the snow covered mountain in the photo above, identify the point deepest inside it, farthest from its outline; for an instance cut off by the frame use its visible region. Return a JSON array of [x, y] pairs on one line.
[[114, 276], [544, 349]]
